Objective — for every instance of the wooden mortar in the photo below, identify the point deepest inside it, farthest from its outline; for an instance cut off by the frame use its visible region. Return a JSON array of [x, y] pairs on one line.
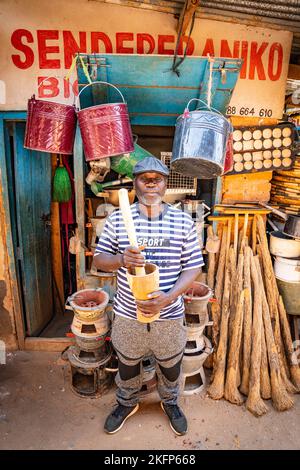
[[142, 285]]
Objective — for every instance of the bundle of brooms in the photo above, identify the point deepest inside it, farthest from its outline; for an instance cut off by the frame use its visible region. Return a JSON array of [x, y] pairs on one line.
[[253, 357]]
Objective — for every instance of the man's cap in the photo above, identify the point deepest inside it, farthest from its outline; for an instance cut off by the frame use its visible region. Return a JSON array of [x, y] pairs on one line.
[[150, 164]]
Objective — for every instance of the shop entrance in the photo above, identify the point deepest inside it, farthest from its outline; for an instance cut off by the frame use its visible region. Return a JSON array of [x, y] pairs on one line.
[[29, 188]]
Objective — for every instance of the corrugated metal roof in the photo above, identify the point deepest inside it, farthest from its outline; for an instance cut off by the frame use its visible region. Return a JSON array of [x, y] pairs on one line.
[[283, 14], [277, 14]]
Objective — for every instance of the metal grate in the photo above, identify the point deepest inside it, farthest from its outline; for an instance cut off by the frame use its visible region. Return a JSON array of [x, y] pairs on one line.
[[178, 183]]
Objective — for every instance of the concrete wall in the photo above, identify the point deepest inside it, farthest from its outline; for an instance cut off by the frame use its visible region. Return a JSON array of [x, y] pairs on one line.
[[40, 37]]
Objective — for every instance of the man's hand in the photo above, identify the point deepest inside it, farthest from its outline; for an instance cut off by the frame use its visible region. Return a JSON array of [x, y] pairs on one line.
[[132, 257], [157, 301]]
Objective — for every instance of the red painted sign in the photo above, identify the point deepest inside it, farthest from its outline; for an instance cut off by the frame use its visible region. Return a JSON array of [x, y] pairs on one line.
[[261, 60]]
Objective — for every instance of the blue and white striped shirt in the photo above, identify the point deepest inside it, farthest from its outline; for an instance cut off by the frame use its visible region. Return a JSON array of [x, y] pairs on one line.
[[170, 242]]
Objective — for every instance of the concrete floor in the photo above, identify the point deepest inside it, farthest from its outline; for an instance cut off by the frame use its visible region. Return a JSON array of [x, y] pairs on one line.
[[38, 410]]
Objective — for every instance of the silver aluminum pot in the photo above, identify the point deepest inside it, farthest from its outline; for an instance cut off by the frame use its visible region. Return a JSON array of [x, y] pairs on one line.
[[284, 246], [199, 146], [287, 269]]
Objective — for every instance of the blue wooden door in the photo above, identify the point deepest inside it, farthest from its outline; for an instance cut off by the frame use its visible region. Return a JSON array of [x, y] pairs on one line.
[[32, 176]]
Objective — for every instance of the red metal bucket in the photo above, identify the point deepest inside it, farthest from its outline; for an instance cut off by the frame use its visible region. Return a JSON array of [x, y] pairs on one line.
[[105, 129], [50, 127]]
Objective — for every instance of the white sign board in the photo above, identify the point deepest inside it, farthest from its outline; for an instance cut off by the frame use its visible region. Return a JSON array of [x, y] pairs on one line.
[[38, 39]]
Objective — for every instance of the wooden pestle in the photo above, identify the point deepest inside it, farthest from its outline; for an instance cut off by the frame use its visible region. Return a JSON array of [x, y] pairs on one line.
[[129, 225]]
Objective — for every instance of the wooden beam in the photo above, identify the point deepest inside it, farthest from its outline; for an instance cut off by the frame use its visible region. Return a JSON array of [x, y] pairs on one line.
[[225, 218], [79, 182], [56, 257], [227, 211], [186, 15], [48, 344]]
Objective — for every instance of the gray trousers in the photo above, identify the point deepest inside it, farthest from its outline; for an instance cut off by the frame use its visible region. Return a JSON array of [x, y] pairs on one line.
[[132, 341]]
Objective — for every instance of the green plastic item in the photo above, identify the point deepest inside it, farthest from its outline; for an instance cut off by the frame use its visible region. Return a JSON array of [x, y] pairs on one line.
[[124, 164], [98, 187], [62, 189]]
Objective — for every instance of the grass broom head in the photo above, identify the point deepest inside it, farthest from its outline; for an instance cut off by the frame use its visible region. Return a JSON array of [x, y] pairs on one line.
[[62, 190]]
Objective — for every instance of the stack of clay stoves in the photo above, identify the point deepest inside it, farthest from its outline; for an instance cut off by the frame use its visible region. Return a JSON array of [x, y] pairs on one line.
[[198, 347], [91, 357]]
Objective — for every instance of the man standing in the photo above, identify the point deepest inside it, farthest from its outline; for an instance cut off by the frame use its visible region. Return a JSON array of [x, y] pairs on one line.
[[167, 238]]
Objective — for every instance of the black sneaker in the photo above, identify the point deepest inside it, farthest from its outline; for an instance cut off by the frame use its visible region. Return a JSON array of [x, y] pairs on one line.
[[118, 416], [177, 419]]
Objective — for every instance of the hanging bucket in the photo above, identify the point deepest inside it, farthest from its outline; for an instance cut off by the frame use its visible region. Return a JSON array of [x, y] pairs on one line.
[[199, 147], [105, 128], [124, 164], [50, 127]]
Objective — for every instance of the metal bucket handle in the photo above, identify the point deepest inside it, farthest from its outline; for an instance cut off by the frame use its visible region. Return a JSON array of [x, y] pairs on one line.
[[209, 107], [94, 83], [201, 101]]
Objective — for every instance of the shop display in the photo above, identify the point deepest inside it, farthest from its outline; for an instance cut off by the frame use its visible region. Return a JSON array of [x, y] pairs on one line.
[[262, 149], [249, 334]]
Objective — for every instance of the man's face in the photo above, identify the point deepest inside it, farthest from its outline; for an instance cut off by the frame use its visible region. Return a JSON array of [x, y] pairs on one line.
[[150, 187]]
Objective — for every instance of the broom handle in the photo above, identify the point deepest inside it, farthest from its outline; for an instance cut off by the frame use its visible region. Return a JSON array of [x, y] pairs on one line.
[[129, 225]]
